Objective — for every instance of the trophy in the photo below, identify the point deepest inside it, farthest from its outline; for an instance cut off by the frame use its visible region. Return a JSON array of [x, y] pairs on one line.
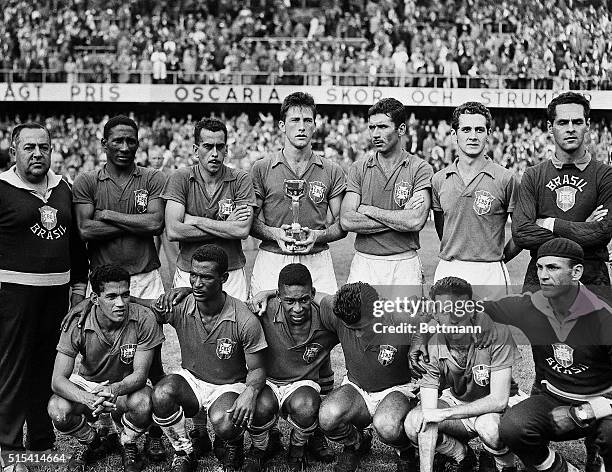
[[295, 189], [226, 207]]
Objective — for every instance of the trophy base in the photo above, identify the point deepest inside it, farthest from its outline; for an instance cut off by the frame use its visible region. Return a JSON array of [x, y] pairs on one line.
[[297, 235]]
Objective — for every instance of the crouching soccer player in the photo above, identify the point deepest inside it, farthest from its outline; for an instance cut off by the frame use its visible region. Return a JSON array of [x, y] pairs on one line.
[[117, 343], [298, 344], [222, 371], [476, 385]]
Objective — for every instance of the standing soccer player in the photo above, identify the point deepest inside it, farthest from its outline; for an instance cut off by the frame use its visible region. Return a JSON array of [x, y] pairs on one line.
[[210, 203], [381, 191], [471, 200], [119, 210], [39, 258]]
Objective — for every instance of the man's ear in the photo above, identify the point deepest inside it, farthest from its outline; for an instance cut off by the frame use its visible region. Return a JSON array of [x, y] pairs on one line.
[[313, 292], [225, 276], [577, 272], [401, 129]]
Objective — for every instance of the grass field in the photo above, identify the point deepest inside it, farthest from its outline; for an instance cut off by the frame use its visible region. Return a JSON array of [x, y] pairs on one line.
[[382, 457]]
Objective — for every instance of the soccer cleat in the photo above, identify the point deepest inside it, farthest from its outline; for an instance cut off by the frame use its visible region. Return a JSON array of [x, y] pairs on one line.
[[83, 456], [154, 448], [184, 462], [296, 457], [317, 447], [406, 461], [109, 445], [233, 454], [201, 442], [349, 458], [468, 464], [219, 448], [254, 460], [275, 444], [130, 459]]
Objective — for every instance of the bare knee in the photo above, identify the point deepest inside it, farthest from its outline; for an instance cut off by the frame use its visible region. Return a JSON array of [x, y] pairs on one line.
[[60, 411], [165, 395], [140, 403], [266, 408], [487, 427], [412, 424], [331, 414], [388, 428], [304, 408]]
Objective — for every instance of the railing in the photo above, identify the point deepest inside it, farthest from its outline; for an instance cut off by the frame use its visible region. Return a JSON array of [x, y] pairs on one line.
[[306, 79]]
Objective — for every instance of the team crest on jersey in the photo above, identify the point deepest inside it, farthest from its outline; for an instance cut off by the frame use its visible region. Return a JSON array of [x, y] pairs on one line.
[[402, 192], [386, 354], [127, 352], [316, 191], [141, 198], [481, 374], [566, 197], [311, 352], [48, 217], [564, 354], [482, 202], [225, 348], [226, 207]]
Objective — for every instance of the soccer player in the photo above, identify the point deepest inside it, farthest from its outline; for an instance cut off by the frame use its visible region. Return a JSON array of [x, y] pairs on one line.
[[119, 210], [377, 387], [117, 344], [570, 330], [381, 191], [210, 203], [476, 385], [40, 257], [323, 192], [222, 371], [567, 196], [471, 200], [298, 345]]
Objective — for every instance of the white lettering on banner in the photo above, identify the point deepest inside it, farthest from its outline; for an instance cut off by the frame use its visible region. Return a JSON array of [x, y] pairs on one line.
[[274, 94]]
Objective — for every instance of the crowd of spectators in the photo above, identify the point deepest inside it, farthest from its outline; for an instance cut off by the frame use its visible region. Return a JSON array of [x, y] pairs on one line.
[[551, 44], [167, 143]]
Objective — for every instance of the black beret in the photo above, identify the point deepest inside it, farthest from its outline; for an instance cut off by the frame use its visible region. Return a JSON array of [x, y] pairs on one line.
[[561, 247]]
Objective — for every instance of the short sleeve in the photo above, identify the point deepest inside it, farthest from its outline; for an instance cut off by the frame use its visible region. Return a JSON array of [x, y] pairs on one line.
[[422, 176], [257, 179], [504, 352], [244, 192], [251, 333], [157, 183], [355, 178], [176, 188], [436, 184], [70, 340], [511, 192], [338, 181], [431, 377], [82, 191], [328, 319], [150, 334]]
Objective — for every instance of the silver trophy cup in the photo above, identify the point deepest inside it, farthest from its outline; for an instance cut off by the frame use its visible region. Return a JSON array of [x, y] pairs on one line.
[[295, 190]]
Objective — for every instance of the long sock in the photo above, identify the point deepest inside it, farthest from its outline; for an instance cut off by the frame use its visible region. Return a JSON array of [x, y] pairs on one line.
[[503, 457], [300, 435], [105, 420], [130, 432], [174, 427], [450, 447], [548, 462], [200, 421], [347, 435], [260, 435], [83, 432]]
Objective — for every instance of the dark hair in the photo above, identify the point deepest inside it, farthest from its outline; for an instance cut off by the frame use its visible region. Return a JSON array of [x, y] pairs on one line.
[[451, 286], [212, 253], [298, 100], [116, 121], [30, 125], [294, 274], [211, 124], [107, 273], [565, 98], [470, 108], [352, 300], [391, 107]]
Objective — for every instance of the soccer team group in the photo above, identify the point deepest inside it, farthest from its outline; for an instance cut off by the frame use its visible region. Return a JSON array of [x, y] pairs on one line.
[[254, 352]]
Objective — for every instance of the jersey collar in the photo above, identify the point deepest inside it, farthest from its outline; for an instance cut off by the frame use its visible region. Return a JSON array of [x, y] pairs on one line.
[[104, 175], [487, 169], [10, 177], [580, 163], [279, 158]]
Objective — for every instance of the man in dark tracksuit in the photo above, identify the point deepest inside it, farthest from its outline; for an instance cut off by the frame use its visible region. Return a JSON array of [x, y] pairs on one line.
[[38, 247], [568, 196]]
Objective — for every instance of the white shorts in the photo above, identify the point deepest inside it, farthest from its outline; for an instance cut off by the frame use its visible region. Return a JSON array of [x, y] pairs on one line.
[[373, 399], [207, 393], [90, 386], [269, 264], [282, 392], [470, 423], [148, 285], [403, 271], [236, 284], [489, 280]]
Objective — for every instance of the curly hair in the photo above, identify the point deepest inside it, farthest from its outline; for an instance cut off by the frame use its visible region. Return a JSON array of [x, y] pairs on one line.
[[107, 273], [353, 300], [451, 286]]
